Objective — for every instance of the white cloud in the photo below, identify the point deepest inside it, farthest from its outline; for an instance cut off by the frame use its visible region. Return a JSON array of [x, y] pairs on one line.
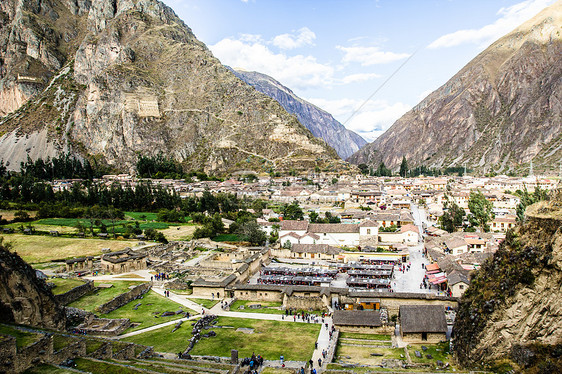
[[510, 18], [300, 38], [360, 77], [367, 56], [298, 71], [373, 119]]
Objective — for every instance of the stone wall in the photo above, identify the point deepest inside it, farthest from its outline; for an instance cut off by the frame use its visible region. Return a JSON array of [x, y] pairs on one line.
[[75, 349], [385, 329], [8, 352], [258, 295], [304, 303], [75, 293], [40, 351], [416, 338], [126, 353], [102, 353], [207, 291], [124, 298]]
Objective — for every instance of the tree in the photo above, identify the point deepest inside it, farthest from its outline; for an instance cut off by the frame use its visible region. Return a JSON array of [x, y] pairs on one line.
[[404, 167], [363, 168], [481, 210], [527, 199], [452, 217], [383, 171], [252, 232], [313, 217], [292, 211]]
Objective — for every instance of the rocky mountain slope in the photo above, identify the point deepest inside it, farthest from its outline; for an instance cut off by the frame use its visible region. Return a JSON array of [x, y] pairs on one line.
[[318, 121], [502, 110], [513, 308], [111, 79], [25, 299]]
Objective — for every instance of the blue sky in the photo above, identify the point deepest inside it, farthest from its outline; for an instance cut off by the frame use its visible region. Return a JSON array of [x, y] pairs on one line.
[[337, 53]]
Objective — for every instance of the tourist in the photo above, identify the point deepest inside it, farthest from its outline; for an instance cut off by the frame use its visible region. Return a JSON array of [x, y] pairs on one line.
[[281, 358]]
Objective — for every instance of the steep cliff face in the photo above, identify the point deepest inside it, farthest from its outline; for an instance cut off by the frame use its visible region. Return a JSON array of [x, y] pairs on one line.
[[318, 121], [501, 111], [25, 299], [132, 78], [513, 308]]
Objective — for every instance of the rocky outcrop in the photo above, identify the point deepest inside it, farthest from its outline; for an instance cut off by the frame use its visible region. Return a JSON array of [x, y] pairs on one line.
[[25, 299], [501, 111], [112, 79], [513, 307], [318, 121]]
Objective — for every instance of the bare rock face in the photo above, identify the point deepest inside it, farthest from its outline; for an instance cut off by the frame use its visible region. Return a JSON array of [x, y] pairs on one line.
[[513, 308], [133, 79], [501, 111], [25, 299], [320, 123]]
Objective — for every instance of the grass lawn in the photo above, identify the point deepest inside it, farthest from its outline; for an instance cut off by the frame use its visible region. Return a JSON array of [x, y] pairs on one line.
[[163, 340], [72, 222], [147, 216], [40, 248], [151, 303], [64, 285], [102, 367], [227, 238], [270, 339], [90, 301], [61, 341], [23, 338], [44, 369], [438, 351], [235, 307], [354, 335], [207, 303], [362, 355]]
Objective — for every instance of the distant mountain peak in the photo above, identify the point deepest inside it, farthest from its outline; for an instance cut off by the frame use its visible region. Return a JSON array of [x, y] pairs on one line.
[[499, 112], [318, 121]]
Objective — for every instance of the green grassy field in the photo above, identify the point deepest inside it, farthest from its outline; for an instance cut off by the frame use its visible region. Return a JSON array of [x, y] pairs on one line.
[[23, 338], [207, 303], [147, 216], [152, 304], [437, 351], [72, 222], [164, 340], [65, 284], [266, 307], [39, 248], [91, 301], [270, 339]]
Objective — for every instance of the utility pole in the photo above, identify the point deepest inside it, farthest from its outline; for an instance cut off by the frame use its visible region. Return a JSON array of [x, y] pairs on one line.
[[531, 169]]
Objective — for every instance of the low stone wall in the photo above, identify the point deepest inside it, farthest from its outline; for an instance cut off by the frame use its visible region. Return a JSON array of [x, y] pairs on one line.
[[332, 347], [40, 351], [76, 349], [75, 293], [126, 353], [124, 298], [102, 353]]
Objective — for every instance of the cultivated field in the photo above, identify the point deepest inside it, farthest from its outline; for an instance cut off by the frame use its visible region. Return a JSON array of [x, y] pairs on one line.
[[38, 248]]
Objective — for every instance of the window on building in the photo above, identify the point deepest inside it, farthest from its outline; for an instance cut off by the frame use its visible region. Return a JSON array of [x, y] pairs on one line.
[[368, 231]]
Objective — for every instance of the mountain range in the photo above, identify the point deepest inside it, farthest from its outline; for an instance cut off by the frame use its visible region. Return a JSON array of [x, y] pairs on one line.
[[321, 123], [497, 114], [112, 79]]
